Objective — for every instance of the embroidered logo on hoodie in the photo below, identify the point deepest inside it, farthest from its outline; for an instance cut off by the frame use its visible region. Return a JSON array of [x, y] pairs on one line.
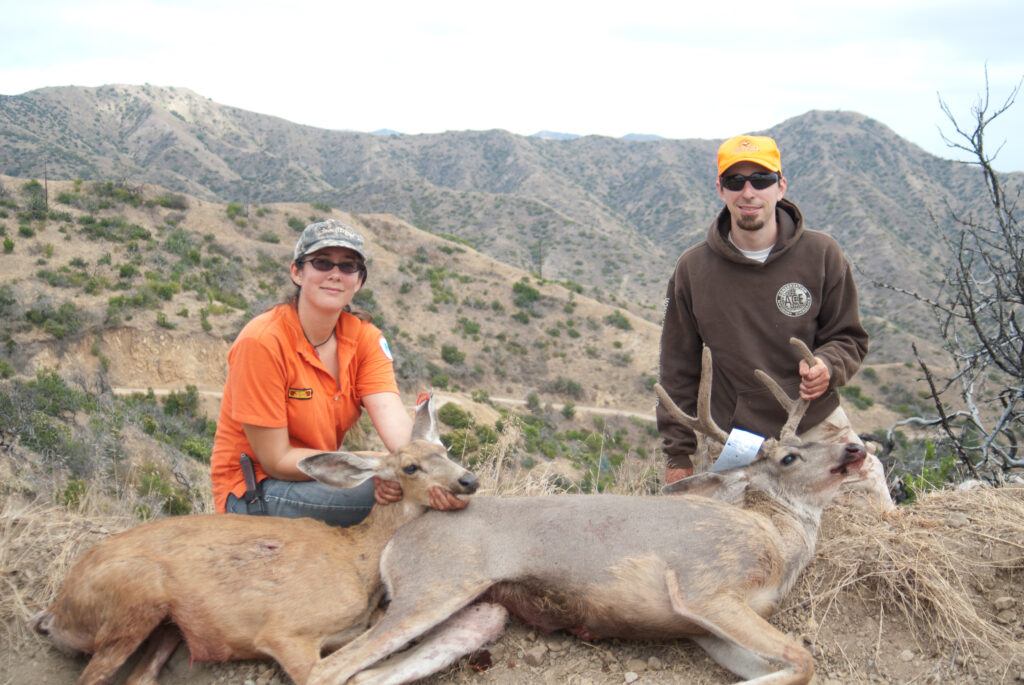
[[793, 299]]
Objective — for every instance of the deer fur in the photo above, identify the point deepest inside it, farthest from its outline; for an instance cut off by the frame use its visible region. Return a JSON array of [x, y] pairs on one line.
[[246, 587], [603, 566]]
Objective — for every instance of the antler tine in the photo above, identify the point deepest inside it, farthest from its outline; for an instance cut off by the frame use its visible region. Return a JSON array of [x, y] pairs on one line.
[[673, 409], [805, 351], [708, 425], [702, 423], [795, 408]]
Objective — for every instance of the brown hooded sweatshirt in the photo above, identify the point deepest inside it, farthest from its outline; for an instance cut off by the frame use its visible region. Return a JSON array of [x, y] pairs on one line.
[[746, 312]]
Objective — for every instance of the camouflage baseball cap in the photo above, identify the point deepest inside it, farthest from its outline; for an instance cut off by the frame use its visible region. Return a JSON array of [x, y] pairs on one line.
[[329, 233]]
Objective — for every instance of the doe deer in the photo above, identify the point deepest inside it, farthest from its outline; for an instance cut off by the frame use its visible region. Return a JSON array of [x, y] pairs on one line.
[[613, 566], [246, 587]]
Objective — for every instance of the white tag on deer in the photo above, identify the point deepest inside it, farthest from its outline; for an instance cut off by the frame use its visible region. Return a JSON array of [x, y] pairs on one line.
[[740, 449]]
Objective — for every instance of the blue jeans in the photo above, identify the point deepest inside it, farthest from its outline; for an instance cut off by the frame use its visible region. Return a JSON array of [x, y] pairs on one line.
[[294, 499]]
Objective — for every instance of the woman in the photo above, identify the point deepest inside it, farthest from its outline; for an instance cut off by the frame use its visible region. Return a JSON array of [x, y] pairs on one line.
[[299, 376]]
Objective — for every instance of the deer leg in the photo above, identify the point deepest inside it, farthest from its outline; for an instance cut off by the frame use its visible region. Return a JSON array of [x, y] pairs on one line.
[[463, 633], [159, 649], [107, 660], [742, 641], [403, 621], [296, 655]]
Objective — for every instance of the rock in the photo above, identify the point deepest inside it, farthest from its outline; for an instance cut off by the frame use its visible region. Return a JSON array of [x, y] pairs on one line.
[[972, 484], [654, 664], [497, 652], [630, 677], [532, 636], [906, 655], [957, 519], [1006, 617], [1004, 603], [556, 645], [535, 656], [636, 665]]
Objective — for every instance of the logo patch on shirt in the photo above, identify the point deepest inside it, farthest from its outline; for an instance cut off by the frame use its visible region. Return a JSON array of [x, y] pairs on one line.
[[793, 299], [385, 349], [300, 393]]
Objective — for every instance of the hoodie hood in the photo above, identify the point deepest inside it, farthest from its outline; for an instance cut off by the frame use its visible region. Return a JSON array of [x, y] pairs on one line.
[[791, 227]]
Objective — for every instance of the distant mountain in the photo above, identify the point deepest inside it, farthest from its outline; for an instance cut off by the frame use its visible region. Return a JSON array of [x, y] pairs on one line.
[[641, 137], [606, 213], [554, 135]]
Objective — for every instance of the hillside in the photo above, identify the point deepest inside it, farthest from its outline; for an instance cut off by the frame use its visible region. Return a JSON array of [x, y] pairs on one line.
[[609, 214]]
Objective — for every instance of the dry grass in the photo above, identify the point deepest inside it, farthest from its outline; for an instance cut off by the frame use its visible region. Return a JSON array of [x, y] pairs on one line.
[[37, 545], [925, 563]]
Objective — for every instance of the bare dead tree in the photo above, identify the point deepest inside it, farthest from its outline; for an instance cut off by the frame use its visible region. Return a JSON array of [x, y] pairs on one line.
[[978, 309]]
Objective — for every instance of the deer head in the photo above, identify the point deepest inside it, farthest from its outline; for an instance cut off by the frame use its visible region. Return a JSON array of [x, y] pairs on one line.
[[419, 466], [809, 473]]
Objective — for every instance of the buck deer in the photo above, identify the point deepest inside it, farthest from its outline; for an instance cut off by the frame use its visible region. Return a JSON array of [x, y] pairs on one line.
[[246, 587], [613, 566]]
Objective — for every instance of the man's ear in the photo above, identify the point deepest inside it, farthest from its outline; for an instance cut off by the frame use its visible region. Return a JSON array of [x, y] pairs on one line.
[[783, 185], [727, 486]]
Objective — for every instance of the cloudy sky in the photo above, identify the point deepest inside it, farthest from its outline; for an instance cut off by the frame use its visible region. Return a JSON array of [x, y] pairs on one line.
[[581, 67]]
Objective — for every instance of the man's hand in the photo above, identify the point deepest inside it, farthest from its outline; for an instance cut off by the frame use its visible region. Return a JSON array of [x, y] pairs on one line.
[[674, 474], [386, 491], [813, 379], [442, 500]]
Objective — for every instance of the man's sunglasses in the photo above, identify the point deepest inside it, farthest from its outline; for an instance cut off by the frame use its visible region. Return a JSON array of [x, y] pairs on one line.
[[759, 179], [324, 264]]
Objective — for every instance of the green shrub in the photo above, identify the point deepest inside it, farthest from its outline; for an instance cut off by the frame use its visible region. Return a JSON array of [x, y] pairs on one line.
[[268, 237], [174, 501], [452, 354], [321, 207], [618, 320], [565, 386], [59, 323], [234, 210], [296, 224], [524, 295], [171, 201], [6, 369], [8, 246], [455, 416], [854, 395], [521, 317]]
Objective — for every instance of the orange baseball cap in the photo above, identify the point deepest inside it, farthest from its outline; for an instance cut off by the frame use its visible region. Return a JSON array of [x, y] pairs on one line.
[[757, 149]]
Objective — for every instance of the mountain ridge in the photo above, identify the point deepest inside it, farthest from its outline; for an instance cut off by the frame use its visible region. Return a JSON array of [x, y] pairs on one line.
[[608, 213]]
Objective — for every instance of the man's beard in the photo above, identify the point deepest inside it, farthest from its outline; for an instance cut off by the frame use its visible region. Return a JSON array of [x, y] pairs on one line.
[[750, 223]]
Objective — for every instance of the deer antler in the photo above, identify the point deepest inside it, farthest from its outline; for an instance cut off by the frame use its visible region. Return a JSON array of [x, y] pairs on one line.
[[703, 424], [794, 408]]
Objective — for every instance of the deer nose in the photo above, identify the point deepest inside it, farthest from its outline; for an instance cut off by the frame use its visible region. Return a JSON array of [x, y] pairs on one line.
[[853, 451], [469, 483]]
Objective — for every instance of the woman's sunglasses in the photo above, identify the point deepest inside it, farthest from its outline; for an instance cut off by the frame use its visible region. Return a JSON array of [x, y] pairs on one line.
[[760, 180], [324, 264]]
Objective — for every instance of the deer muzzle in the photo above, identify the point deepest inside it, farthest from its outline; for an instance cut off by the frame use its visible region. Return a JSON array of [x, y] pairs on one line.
[[852, 457]]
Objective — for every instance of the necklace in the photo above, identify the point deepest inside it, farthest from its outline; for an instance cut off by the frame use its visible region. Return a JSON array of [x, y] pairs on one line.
[[315, 346]]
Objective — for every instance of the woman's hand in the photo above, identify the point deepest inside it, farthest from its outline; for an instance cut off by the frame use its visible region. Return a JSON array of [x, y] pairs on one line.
[[386, 491], [442, 500]]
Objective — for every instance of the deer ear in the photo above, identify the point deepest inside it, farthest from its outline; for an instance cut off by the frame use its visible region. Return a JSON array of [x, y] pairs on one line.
[[340, 469], [425, 426], [728, 486]]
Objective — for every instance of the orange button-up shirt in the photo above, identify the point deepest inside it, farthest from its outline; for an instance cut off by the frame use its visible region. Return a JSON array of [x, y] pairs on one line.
[[276, 380]]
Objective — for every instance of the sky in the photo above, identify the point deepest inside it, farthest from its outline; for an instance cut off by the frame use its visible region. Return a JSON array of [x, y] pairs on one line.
[[710, 70]]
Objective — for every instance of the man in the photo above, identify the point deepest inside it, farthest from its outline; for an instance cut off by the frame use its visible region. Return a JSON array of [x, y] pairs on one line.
[[759, 278]]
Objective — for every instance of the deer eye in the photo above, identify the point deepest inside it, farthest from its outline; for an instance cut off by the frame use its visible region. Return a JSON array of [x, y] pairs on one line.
[[411, 469], [789, 459]]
